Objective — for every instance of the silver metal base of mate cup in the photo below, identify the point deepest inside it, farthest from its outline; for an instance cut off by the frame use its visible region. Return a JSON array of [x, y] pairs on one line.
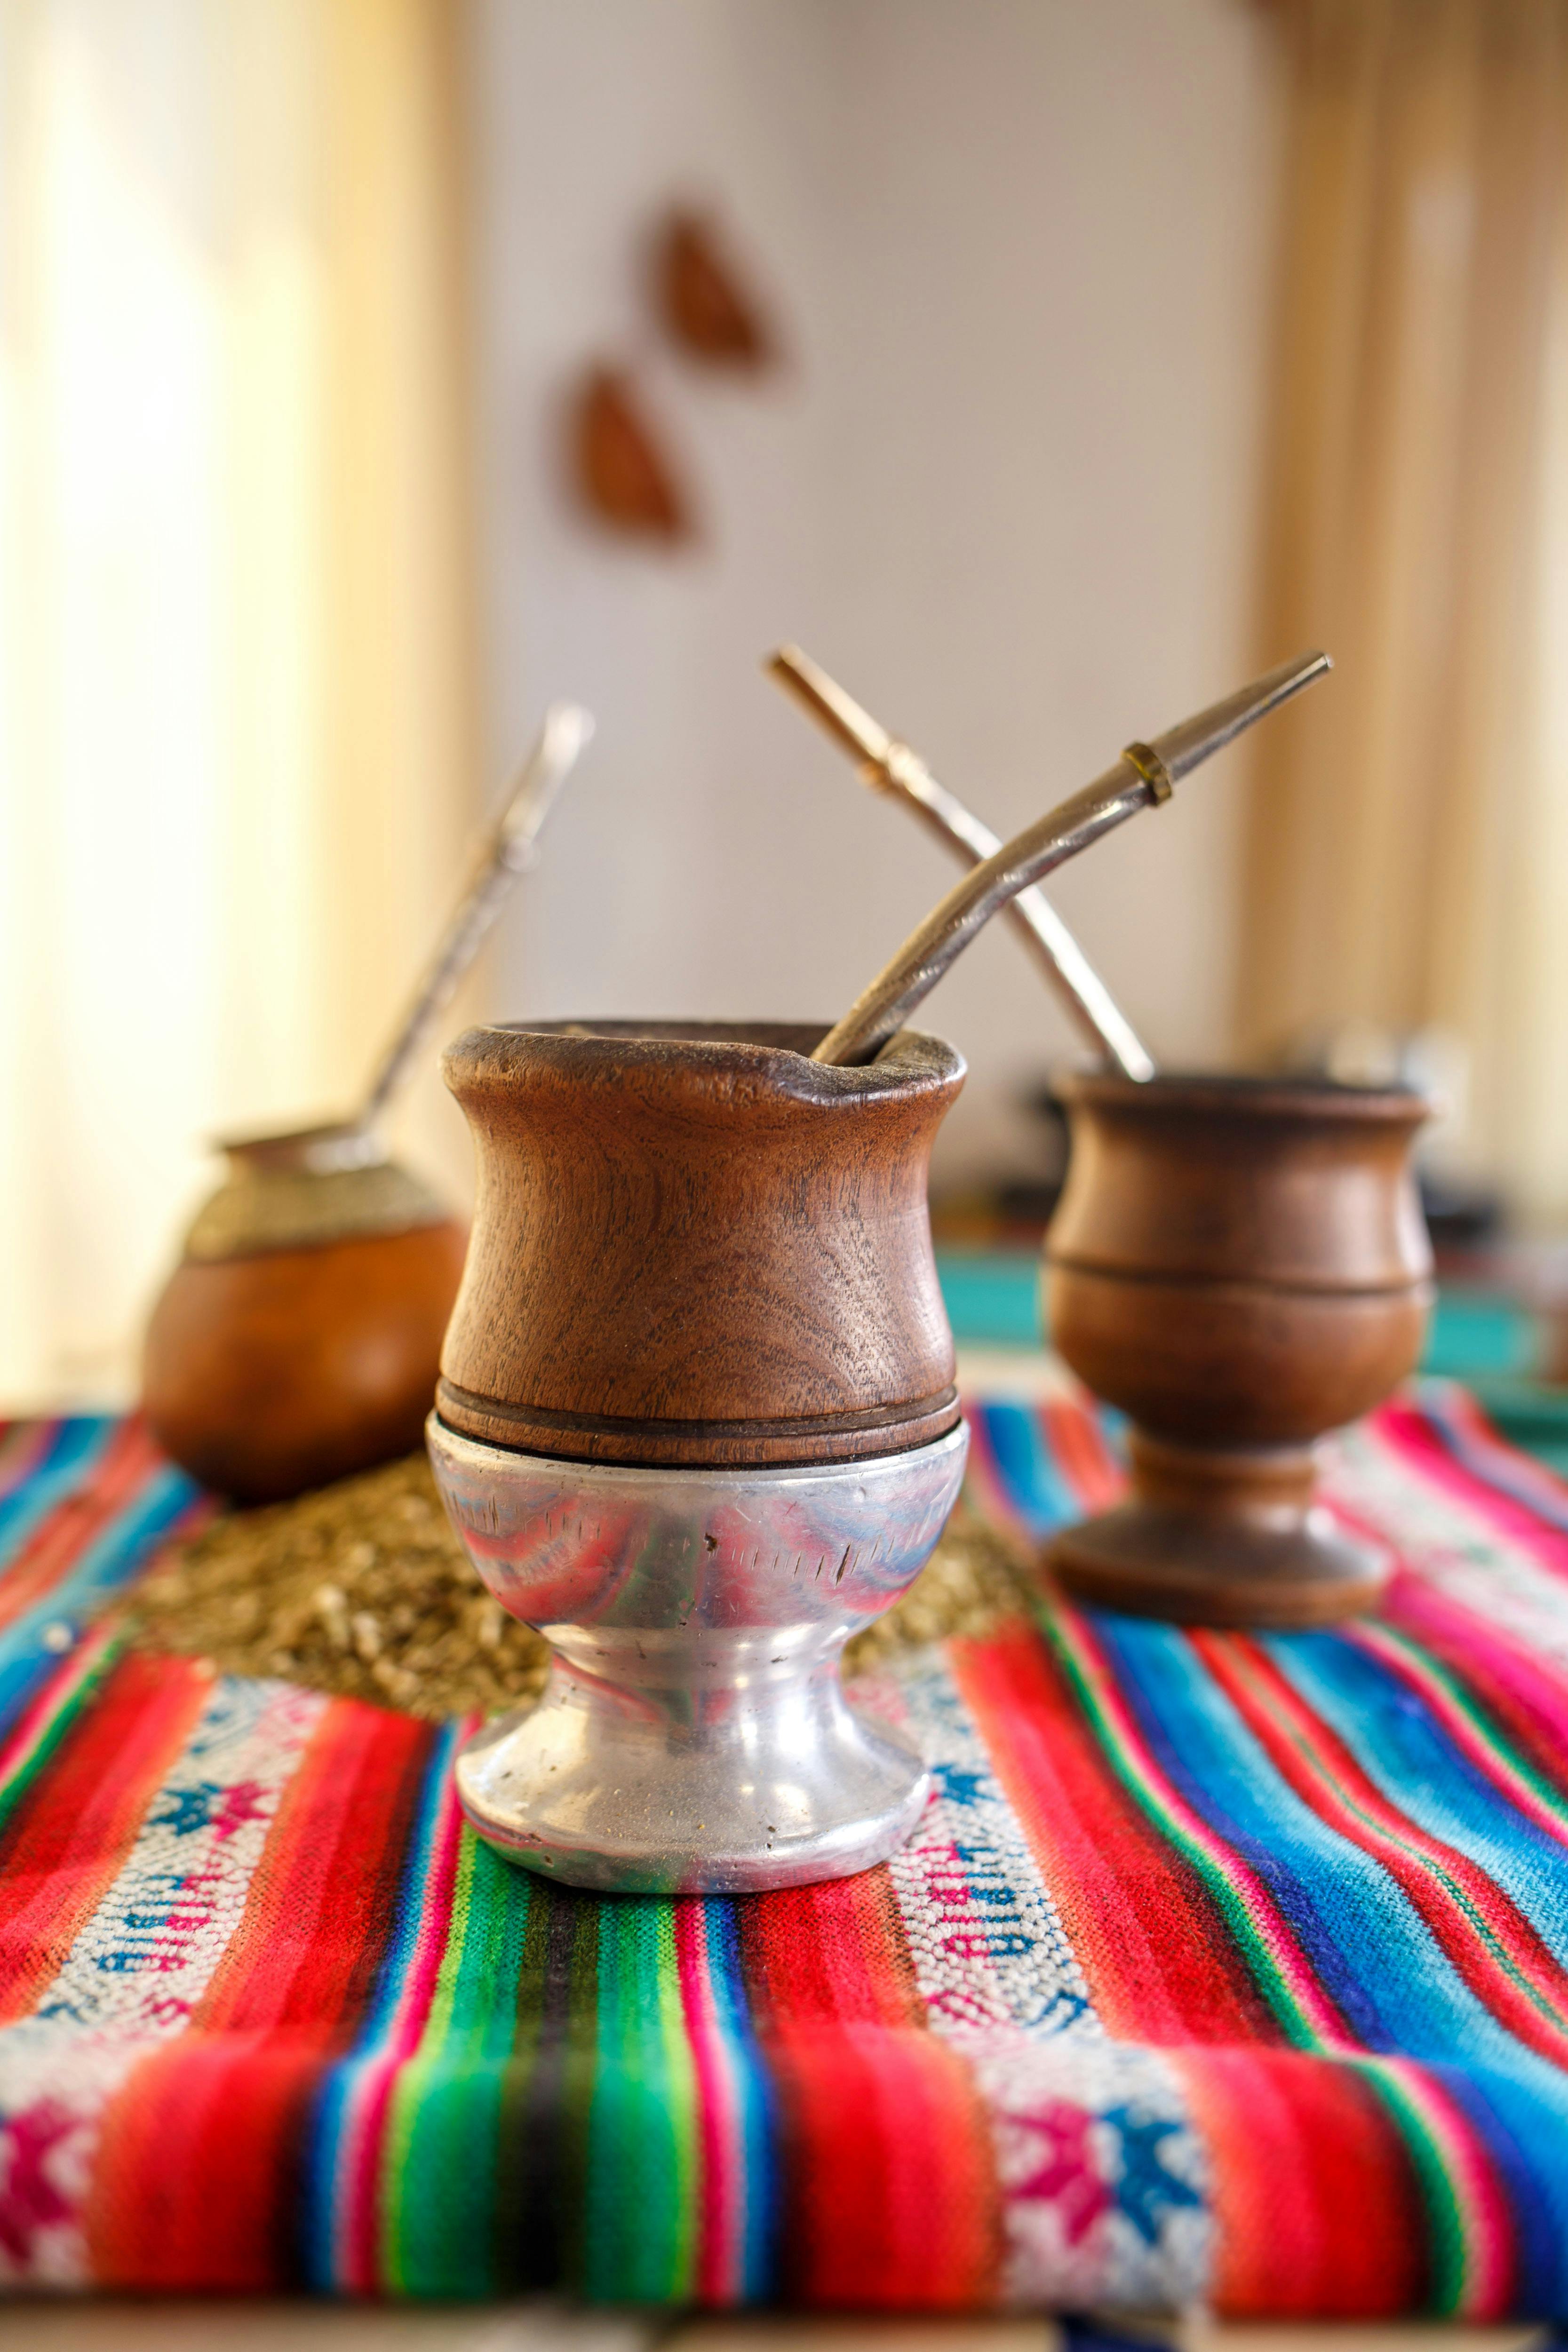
[[694, 1736]]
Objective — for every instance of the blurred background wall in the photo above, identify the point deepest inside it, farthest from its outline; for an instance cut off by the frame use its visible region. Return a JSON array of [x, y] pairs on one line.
[[294, 293], [1004, 486], [1126, 348], [237, 592]]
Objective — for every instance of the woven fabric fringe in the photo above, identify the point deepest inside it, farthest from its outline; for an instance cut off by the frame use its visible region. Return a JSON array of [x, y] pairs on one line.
[[1221, 1967]]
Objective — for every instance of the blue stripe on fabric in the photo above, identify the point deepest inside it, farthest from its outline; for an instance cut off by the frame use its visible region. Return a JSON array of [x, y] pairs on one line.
[[1035, 1486], [1413, 1760], [25, 1447], [412, 1894], [1526, 2149], [1372, 1952], [761, 2258], [78, 1445], [109, 1561]]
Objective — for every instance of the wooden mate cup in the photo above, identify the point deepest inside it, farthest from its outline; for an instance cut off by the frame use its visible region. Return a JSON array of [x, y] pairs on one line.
[[697, 1423], [1241, 1265]]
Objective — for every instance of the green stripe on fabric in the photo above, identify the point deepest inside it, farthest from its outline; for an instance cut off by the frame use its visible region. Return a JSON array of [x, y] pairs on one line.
[[546, 2093], [52, 1730], [1447, 2249], [1228, 1899], [445, 2124], [642, 2163]]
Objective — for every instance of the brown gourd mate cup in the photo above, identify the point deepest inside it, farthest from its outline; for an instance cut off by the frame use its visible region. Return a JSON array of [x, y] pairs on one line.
[[1241, 1265], [297, 1340], [697, 1424]]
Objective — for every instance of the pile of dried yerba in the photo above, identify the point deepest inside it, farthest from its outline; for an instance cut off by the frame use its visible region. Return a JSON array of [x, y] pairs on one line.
[[361, 1589]]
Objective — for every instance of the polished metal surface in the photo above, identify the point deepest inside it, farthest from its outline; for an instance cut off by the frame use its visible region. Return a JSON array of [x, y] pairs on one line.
[[694, 1736], [1141, 777], [508, 852], [890, 766]]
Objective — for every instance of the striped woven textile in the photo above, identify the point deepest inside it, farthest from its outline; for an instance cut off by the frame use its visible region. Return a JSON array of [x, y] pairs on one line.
[[1221, 1970]]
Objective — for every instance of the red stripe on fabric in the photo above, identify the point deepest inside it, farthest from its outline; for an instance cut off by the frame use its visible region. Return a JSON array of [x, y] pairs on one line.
[[889, 2185], [305, 1959], [188, 2193], [1317, 2208], [1161, 1963], [889, 2180], [77, 1519], [69, 1836], [834, 1952], [1519, 1687], [1073, 1434], [1484, 1942], [199, 2181]]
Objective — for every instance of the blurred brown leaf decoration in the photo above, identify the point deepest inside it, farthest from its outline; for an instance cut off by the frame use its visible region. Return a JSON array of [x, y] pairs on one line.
[[621, 471], [701, 300]]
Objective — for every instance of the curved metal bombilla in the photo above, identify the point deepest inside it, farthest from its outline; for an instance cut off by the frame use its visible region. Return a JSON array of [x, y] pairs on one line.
[[1145, 774], [890, 766], [508, 851]]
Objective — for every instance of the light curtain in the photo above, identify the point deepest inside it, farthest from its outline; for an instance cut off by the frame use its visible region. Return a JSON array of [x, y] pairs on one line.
[[1408, 858], [235, 744]]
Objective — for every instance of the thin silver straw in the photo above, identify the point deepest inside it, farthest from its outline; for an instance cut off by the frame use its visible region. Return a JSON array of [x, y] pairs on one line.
[[509, 851], [1143, 776], [890, 766]]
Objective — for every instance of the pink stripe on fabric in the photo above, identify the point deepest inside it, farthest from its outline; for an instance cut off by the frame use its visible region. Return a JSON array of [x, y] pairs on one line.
[[1407, 1432], [1521, 1473], [721, 2211], [1418, 1609]]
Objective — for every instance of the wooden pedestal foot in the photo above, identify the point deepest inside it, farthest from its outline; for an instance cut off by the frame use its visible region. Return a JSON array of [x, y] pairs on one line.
[[1219, 1535]]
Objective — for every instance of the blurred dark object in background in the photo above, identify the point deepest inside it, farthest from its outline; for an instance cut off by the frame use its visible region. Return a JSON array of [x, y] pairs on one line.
[[1013, 1211], [700, 302], [1460, 1216], [620, 472]]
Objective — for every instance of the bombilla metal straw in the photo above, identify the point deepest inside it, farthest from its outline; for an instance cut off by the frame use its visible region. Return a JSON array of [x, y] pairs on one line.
[[888, 765], [508, 850], [1144, 775]]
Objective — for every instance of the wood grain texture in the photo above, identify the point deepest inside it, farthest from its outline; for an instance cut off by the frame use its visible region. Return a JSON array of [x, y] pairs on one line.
[[1241, 1265], [692, 1245], [266, 1375]]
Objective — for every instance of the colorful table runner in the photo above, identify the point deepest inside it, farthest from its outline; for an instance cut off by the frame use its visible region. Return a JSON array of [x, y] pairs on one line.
[[1221, 1969]]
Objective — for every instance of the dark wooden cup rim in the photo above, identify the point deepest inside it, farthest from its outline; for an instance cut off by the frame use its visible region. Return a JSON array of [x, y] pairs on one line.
[[1245, 1095], [711, 1059]]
